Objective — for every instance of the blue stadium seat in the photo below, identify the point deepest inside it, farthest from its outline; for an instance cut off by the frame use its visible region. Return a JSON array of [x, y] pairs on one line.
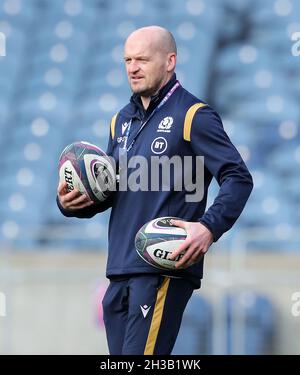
[[195, 335], [251, 323]]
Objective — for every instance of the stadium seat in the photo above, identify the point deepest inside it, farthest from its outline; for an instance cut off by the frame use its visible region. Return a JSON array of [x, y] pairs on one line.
[[195, 335], [251, 323]]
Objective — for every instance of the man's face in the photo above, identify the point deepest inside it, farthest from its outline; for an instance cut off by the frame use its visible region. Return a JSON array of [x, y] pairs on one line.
[[146, 66]]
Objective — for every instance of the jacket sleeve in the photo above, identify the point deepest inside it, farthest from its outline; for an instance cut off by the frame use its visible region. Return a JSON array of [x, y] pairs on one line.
[[96, 208], [224, 162]]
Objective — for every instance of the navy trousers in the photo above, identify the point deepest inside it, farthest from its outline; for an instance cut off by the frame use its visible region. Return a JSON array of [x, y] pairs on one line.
[[143, 313]]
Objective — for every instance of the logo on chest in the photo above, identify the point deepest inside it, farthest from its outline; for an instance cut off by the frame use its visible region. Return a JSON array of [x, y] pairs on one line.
[[165, 125], [125, 126], [121, 139], [159, 145]]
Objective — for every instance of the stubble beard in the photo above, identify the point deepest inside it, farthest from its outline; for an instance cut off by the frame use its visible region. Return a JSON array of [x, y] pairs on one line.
[[148, 92]]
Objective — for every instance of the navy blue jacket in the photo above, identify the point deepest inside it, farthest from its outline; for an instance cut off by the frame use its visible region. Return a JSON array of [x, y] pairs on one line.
[[197, 132]]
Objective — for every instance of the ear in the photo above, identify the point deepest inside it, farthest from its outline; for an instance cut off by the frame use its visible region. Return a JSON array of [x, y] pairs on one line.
[[171, 62]]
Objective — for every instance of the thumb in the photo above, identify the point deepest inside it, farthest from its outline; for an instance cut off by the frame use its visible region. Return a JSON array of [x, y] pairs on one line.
[[61, 188]]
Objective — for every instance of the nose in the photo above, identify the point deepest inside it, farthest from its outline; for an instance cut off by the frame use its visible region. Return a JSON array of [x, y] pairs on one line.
[[133, 67]]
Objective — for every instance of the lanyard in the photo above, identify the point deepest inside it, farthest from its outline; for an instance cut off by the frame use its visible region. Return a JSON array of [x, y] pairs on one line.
[[168, 95]]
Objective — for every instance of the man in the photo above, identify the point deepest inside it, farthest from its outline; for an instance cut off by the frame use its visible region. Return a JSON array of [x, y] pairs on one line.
[[143, 305]]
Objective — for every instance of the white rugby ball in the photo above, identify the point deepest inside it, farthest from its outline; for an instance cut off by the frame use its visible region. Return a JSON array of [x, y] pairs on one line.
[[156, 241], [85, 167]]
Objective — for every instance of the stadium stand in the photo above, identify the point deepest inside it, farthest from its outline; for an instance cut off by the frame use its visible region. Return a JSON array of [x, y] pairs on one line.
[[250, 325], [62, 79]]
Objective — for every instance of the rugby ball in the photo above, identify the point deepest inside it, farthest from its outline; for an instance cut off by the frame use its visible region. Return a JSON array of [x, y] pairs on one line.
[[156, 241], [86, 167]]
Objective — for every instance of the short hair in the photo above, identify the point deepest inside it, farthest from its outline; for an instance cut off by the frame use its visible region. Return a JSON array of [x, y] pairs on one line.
[[172, 47]]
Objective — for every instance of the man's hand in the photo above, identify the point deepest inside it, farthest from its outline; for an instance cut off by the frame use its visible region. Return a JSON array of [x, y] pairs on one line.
[[196, 244], [73, 200]]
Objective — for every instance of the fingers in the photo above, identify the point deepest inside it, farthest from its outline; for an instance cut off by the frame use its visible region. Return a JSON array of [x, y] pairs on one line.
[[178, 223], [192, 256], [181, 249], [80, 206], [80, 200], [73, 200], [72, 196], [196, 244]]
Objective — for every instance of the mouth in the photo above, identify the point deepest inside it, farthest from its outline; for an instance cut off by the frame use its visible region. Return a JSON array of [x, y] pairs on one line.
[[136, 79]]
